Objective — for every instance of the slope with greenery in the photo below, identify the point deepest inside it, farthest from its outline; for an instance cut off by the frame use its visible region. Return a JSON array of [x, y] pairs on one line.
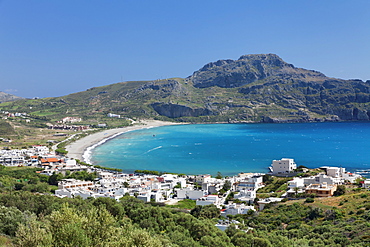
[[254, 88], [6, 130], [29, 218]]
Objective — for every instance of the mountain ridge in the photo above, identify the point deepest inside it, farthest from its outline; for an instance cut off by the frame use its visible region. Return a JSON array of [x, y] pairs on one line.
[[253, 88], [6, 97]]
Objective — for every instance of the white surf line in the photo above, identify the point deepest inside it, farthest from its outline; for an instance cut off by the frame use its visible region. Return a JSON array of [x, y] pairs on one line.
[[86, 156], [153, 149]]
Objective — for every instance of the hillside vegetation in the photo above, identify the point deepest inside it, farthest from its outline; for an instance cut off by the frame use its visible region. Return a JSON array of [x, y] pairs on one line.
[[6, 129], [29, 218], [254, 88]]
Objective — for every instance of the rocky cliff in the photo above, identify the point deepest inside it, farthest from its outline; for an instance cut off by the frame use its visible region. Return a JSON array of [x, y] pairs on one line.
[[266, 79]]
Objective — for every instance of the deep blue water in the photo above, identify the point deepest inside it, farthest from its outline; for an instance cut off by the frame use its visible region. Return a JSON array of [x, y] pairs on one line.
[[234, 148]]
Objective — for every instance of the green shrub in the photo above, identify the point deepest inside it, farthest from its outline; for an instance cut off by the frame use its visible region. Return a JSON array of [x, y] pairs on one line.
[[309, 200]]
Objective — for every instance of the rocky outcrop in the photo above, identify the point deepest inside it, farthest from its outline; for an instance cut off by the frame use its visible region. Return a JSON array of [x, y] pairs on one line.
[[175, 111], [245, 70], [6, 97], [285, 93]]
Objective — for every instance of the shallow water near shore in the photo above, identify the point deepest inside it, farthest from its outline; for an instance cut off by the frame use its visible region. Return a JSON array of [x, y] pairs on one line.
[[234, 148]]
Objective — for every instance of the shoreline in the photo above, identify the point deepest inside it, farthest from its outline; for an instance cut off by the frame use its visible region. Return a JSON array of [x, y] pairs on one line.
[[82, 148]]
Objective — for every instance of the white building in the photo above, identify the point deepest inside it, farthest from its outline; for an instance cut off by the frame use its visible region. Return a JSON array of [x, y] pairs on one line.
[[182, 193], [283, 166], [366, 184], [250, 183], [74, 183], [145, 197], [195, 194], [188, 193], [322, 189], [335, 172], [203, 178], [208, 200], [295, 186], [246, 195], [113, 115], [71, 119], [224, 224], [234, 209], [15, 157], [263, 202], [296, 183], [12, 160], [321, 178], [212, 188]]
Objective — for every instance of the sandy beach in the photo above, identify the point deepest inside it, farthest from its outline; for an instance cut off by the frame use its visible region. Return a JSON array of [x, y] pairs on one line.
[[78, 148]]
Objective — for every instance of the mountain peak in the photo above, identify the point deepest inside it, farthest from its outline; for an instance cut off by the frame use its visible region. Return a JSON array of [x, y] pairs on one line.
[[260, 56], [247, 69]]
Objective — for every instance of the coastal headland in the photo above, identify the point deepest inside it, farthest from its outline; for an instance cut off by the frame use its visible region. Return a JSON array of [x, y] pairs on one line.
[[77, 149]]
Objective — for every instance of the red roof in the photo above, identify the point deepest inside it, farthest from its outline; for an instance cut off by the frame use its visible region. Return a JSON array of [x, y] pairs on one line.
[[52, 160], [48, 160]]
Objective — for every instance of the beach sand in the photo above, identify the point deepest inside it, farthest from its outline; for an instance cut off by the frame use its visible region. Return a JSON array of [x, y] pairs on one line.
[[77, 149]]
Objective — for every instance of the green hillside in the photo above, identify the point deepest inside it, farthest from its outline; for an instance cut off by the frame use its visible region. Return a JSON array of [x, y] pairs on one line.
[[254, 88], [30, 216], [6, 129]]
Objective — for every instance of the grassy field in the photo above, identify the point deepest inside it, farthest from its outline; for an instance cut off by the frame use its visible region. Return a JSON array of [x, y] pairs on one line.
[[353, 201]]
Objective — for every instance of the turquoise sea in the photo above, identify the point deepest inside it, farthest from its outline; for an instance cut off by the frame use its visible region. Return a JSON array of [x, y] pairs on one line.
[[234, 148]]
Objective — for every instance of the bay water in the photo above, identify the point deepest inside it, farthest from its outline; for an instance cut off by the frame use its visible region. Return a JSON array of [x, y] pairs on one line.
[[234, 148]]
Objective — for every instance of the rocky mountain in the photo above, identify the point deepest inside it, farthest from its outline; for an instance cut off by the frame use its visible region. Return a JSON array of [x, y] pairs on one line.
[[267, 79], [5, 97], [247, 69], [253, 88]]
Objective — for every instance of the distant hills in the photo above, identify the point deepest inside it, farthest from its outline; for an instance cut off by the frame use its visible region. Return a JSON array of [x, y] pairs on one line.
[[253, 88], [5, 97]]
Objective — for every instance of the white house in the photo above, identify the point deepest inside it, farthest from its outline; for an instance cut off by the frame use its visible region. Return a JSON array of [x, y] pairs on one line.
[[208, 200], [234, 209], [224, 224], [366, 184], [296, 183], [113, 115], [195, 194], [250, 183], [203, 178], [145, 197], [319, 179], [182, 193], [322, 189], [263, 202], [246, 195], [189, 193], [335, 172], [74, 184], [295, 186], [71, 119], [283, 166]]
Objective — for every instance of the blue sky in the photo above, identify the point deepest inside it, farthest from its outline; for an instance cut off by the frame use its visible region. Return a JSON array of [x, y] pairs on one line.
[[53, 48]]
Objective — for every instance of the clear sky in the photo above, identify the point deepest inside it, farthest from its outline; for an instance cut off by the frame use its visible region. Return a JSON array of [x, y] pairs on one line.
[[52, 48]]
